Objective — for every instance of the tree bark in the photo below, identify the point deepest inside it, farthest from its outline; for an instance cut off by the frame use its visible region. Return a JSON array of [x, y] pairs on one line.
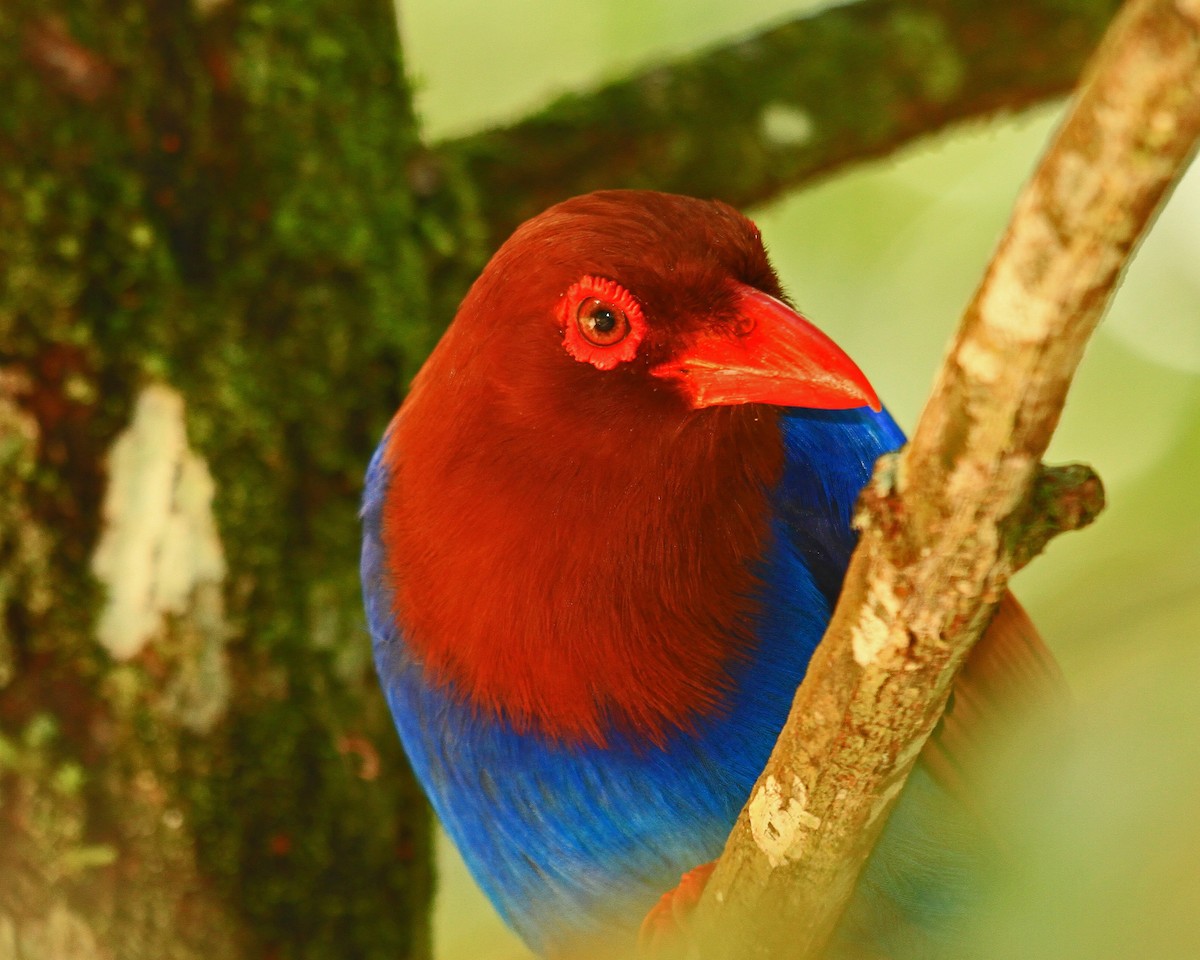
[[946, 521], [212, 283]]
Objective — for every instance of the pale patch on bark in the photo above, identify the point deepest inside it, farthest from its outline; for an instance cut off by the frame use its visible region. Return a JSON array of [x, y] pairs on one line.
[[980, 361], [785, 125], [159, 549], [780, 825], [874, 637], [1012, 305]]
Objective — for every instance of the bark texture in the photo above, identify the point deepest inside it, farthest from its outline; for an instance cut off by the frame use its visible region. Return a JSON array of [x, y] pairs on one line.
[[213, 274], [945, 522]]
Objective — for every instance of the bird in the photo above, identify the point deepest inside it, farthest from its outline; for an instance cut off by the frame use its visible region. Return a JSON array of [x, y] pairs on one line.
[[602, 537]]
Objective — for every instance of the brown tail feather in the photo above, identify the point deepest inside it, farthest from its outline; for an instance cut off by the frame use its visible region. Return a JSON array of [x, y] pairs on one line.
[[1010, 672]]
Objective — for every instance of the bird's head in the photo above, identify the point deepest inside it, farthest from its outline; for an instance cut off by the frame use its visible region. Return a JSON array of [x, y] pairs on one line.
[[636, 299], [579, 478]]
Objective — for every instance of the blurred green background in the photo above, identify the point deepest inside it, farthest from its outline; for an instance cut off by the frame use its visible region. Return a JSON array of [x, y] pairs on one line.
[[884, 258]]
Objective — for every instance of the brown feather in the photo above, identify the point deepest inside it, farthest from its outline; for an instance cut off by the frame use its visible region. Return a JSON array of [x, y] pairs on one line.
[[1009, 674]]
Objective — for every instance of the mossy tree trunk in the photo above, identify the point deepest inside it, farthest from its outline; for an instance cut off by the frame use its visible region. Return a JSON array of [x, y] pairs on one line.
[[211, 245], [222, 251]]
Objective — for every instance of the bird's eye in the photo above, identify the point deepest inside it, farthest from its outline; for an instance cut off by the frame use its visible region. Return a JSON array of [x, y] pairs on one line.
[[601, 323]]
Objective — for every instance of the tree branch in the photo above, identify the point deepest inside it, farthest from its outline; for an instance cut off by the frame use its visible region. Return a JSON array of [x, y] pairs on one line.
[[946, 521], [755, 117]]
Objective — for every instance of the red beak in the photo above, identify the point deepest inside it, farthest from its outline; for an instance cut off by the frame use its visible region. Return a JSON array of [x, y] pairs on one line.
[[772, 355]]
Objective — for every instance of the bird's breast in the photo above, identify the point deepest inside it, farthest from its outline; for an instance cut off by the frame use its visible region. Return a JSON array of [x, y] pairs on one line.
[[577, 611]]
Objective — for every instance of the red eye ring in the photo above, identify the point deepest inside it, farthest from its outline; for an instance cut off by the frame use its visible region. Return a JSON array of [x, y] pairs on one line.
[[602, 322]]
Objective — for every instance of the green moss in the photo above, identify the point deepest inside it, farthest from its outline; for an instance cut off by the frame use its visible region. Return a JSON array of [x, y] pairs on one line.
[[924, 45], [23, 544], [43, 788], [236, 204], [1064, 497]]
